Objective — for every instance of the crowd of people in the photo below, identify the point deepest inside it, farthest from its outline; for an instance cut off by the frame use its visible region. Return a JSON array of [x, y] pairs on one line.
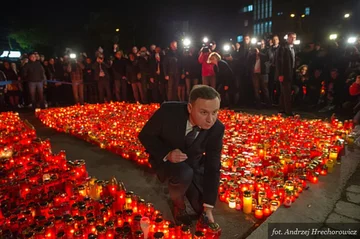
[[261, 75]]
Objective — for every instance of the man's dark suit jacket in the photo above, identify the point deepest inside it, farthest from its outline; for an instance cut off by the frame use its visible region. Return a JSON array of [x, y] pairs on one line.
[[284, 63], [165, 131]]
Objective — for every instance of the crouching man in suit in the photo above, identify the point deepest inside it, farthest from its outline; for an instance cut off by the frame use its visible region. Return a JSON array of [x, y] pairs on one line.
[[185, 142]]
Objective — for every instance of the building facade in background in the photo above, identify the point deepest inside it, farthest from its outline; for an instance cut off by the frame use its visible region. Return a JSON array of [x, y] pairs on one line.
[[312, 20]]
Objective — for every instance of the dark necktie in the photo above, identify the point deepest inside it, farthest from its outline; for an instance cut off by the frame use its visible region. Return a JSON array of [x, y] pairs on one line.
[[191, 136]]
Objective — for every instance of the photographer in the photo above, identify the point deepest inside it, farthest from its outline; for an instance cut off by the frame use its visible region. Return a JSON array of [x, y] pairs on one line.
[[102, 76], [207, 69], [75, 69]]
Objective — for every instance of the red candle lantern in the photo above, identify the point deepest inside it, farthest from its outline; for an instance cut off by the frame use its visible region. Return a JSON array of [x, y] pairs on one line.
[[259, 214]]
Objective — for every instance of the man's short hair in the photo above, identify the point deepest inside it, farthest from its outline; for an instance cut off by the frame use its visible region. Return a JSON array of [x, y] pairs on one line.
[[291, 33], [203, 92]]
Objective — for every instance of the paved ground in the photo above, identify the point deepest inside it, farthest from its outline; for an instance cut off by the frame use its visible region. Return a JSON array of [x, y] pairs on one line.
[[327, 201]]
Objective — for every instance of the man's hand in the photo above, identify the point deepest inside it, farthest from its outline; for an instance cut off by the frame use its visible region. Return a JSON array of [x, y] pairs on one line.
[[208, 212], [176, 156], [167, 77], [281, 78]]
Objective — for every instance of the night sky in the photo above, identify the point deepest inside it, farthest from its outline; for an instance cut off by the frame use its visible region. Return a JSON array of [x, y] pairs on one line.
[[80, 24]]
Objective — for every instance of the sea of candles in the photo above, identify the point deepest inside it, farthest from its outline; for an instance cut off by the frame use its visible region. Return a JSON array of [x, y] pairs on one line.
[[266, 161], [44, 195]]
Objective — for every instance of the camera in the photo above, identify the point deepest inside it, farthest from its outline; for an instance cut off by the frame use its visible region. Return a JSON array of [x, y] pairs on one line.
[[207, 47]]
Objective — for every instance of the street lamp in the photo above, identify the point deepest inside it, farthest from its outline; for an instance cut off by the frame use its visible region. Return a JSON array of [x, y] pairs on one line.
[[253, 40], [117, 29], [205, 40], [303, 15], [333, 36], [292, 15], [347, 15]]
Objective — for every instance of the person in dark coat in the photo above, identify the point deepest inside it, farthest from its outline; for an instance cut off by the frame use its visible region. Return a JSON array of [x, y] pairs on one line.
[[184, 142], [285, 72], [225, 77]]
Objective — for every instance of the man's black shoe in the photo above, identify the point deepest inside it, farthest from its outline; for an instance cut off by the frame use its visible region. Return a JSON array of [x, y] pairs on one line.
[[181, 216]]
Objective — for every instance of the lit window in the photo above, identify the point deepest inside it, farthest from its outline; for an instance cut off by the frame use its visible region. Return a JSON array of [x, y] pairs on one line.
[[266, 9], [266, 26], [270, 26], [307, 11], [250, 8], [270, 8], [240, 38], [245, 9]]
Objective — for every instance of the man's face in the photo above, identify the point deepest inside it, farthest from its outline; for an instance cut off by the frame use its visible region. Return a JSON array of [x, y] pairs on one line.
[[118, 55], [291, 38], [157, 49], [6, 65], [88, 60], [304, 70], [213, 47], [52, 61], [276, 40], [32, 57], [203, 113], [262, 44], [247, 40], [334, 74], [173, 45], [134, 50], [152, 48]]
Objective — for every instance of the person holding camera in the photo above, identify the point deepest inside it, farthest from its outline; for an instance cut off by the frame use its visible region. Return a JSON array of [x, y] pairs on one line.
[[102, 76], [173, 69], [75, 69], [207, 69]]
